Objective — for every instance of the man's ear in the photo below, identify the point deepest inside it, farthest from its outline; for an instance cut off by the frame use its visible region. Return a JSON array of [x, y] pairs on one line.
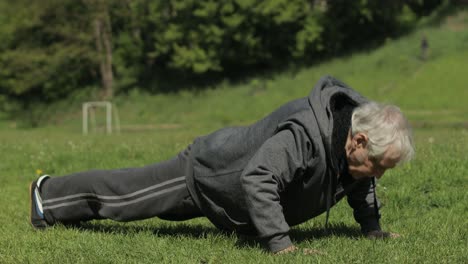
[[360, 140]]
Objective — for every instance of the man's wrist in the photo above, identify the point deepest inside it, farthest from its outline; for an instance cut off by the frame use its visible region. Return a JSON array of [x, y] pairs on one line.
[[278, 243], [369, 225]]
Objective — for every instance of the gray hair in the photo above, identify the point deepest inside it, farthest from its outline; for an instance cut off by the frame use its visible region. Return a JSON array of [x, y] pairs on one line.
[[385, 126]]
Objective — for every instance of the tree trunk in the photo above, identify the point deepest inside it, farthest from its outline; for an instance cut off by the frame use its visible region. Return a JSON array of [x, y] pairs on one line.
[[103, 36]]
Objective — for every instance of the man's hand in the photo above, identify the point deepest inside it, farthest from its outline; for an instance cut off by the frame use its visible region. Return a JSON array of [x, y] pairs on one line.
[[307, 251], [286, 250], [381, 234]]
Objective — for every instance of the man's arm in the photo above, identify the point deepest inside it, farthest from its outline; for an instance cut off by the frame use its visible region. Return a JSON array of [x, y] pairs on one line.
[[268, 173], [362, 199]]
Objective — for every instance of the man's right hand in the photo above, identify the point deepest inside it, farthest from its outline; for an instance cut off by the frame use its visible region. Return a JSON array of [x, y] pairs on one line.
[[289, 249], [307, 251], [378, 234]]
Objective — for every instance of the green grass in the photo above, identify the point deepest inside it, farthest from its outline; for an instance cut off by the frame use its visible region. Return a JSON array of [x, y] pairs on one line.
[[425, 201]]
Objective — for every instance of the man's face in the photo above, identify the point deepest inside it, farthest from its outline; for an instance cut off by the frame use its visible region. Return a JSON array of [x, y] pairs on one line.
[[360, 166]]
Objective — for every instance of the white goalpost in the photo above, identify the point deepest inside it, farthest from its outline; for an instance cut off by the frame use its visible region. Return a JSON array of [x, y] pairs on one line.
[[111, 113]]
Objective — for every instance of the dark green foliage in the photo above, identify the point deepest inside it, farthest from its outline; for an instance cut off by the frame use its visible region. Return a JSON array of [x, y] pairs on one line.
[[48, 48], [46, 51], [364, 21]]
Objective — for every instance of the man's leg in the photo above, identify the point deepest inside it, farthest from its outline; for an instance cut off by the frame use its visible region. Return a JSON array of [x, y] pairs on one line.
[[122, 194]]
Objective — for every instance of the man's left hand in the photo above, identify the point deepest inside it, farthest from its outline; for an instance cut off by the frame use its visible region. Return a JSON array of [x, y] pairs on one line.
[[381, 234]]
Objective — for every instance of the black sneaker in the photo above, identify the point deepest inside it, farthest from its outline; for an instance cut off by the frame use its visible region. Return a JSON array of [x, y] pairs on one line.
[[36, 216]]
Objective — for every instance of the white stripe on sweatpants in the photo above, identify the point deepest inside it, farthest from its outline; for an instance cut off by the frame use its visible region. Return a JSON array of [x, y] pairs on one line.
[[151, 195], [112, 197]]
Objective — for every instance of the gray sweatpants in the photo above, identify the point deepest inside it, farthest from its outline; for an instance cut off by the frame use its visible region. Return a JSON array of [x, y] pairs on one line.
[[123, 194]]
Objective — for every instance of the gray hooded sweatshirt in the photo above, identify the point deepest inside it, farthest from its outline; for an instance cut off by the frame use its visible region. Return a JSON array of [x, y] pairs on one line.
[[278, 172]]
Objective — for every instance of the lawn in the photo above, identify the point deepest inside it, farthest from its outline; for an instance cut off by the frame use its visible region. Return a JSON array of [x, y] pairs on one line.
[[424, 201]]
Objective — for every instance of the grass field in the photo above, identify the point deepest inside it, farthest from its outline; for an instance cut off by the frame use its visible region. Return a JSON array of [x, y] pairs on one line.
[[425, 201]]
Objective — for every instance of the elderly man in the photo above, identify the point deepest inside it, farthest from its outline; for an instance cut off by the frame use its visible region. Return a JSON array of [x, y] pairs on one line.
[[283, 170]]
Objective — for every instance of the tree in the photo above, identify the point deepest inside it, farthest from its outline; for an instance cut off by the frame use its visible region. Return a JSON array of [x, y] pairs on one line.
[[53, 48], [103, 38], [46, 50]]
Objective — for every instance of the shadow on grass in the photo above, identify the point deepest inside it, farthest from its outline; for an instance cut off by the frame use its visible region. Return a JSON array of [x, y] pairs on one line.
[[200, 231], [173, 230], [335, 230], [299, 235]]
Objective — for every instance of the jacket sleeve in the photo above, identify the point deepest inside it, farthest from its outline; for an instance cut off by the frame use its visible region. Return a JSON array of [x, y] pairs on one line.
[[270, 170], [363, 200]]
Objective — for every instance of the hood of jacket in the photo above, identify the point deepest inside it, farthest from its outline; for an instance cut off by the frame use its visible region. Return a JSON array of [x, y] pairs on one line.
[[320, 101]]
